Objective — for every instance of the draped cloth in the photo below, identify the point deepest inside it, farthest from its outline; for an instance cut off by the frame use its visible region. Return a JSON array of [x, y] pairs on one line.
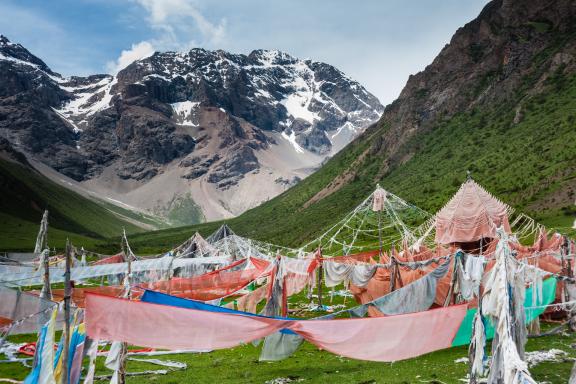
[[164, 299], [249, 302], [338, 273], [424, 262], [377, 339], [470, 276], [471, 214], [162, 326], [289, 276], [216, 284], [421, 291], [414, 297], [279, 346], [22, 311]]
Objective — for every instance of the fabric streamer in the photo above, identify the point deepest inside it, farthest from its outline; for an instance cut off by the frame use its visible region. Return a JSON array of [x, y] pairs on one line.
[[377, 339], [113, 360], [90, 351], [276, 347], [476, 354], [76, 348], [82, 273], [385, 339], [43, 368], [379, 198]]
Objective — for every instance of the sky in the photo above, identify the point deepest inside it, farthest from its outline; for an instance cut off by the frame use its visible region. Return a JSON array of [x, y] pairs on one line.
[[376, 42]]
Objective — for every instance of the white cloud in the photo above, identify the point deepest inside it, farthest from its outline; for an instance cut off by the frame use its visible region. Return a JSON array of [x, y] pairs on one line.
[[138, 51], [178, 25]]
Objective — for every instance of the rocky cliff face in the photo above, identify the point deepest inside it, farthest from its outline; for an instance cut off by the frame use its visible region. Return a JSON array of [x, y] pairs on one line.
[[485, 64], [201, 121]]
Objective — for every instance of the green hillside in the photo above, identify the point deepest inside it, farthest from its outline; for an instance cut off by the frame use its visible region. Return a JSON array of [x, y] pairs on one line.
[[25, 194]]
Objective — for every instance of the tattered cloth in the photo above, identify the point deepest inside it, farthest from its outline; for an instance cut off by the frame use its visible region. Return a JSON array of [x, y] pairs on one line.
[[338, 273]]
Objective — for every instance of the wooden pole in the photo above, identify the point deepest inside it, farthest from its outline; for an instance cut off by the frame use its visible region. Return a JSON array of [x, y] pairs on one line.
[[393, 274], [67, 295], [380, 231], [568, 248], [128, 294], [46, 289], [320, 275], [567, 270], [392, 269]]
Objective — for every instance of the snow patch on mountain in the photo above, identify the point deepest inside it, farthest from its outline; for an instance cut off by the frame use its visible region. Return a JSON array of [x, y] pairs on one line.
[[70, 122], [88, 99], [292, 140], [184, 112]]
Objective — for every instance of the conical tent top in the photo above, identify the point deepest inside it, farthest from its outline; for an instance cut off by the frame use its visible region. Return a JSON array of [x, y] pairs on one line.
[[221, 233], [472, 214]]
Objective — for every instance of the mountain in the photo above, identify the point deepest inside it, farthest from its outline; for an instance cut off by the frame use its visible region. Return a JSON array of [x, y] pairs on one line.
[[499, 100], [189, 136]]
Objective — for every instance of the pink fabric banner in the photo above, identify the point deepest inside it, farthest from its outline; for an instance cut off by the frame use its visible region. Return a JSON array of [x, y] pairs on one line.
[[386, 339], [161, 326], [389, 338]]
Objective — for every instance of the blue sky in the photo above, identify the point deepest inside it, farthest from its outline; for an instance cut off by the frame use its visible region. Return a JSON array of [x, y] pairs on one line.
[[378, 43]]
